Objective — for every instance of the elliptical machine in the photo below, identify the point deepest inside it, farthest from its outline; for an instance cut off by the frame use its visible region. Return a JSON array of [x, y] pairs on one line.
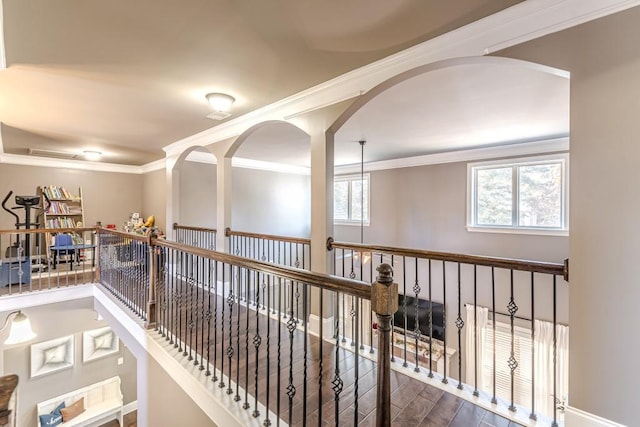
[[18, 269]]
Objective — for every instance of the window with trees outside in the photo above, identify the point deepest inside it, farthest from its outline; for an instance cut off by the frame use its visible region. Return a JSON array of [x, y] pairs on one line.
[[351, 199], [519, 195]]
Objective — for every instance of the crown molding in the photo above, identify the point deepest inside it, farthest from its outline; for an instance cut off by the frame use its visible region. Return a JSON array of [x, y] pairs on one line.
[[522, 22], [17, 159], [153, 166], [239, 162], [485, 153], [496, 152]]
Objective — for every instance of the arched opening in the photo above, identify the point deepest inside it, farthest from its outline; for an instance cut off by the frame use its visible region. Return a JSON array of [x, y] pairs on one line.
[[271, 183], [194, 184]]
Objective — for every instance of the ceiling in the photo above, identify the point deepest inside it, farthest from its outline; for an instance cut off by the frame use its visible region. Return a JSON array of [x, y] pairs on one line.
[[470, 104], [128, 78]]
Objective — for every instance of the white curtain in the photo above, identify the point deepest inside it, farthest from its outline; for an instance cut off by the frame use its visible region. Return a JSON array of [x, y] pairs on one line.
[[543, 359], [475, 338]]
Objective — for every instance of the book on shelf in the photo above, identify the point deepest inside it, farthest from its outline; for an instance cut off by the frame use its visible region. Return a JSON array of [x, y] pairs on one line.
[[62, 222], [56, 192]]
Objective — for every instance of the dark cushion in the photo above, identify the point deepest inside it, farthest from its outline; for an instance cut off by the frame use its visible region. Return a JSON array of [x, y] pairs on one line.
[[52, 419]]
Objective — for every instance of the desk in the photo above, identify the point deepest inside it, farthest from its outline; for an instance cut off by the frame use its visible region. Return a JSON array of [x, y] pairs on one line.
[[15, 270], [72, 250]]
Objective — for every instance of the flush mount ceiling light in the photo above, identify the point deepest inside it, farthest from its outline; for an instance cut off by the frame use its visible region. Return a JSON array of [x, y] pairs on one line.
[[92, 155], [221, 104]]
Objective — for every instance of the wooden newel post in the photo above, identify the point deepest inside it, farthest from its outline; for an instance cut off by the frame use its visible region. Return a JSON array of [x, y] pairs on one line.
[[384, 301]]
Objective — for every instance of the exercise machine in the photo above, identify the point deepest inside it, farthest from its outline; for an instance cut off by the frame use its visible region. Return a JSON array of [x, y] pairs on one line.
[[16, 268]]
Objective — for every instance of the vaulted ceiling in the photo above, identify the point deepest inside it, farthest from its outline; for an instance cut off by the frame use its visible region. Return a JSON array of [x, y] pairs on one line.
[[129, 77]]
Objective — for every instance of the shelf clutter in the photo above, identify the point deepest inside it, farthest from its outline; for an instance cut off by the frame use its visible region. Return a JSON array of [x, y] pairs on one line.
[[66, 209]]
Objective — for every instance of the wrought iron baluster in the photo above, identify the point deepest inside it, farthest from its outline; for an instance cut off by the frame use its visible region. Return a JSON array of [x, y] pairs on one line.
[[221, 384], [445, 380], [475, 331], [494, 400], [404, 311], [512, 362], [241, 278], [246, 343], [321, 354], [279, 349], [305, 308], [208, 316], [291, 389], [370, 309], [430, 323], [417, 334], [337, 383], [533, 415], [459, 325], [267, 422], [555, 355], [191, 282], [230, 300], [257, 340], [356, 384], [214, 378]]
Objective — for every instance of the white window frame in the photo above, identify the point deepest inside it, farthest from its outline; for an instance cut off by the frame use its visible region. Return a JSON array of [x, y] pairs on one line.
[[350, 178], [472, 225]]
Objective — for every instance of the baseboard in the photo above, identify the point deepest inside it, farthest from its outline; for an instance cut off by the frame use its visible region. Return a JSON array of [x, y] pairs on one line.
[[130, 407], [327, 326], [574, 417]]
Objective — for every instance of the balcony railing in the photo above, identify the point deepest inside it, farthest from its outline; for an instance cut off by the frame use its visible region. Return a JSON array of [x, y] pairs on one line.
[[229, 316], [282, 250], [479, 324], [40, 259], [246, 322], [199, 237]]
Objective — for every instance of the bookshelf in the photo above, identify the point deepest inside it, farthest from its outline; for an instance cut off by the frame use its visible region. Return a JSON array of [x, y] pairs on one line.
[[66, 211]]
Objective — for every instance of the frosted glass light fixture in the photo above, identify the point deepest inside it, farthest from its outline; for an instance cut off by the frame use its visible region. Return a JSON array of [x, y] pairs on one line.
[[20, 328], [220, 104], [92, 155]]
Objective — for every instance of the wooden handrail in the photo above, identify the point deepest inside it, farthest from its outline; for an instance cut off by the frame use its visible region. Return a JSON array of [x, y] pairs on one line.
[[177, 226], [324, 281], [228, 232], [138, 237], [47, 230], [511, 264]]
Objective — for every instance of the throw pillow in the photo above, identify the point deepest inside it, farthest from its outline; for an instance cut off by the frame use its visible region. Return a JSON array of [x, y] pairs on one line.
[[73, 410], [52, 419]]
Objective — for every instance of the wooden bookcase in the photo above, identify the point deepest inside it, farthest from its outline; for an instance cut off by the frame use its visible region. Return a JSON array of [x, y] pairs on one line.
[[66, 211]]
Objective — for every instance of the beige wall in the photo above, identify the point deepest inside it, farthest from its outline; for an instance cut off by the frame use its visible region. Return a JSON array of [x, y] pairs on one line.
[[197, 197], [154, 197], [54, 321], [430, 213], [604, 61], [107, 197], [271, 202], [169, 405]]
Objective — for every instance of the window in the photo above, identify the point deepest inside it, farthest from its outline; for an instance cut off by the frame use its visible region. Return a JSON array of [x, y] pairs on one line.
[[526, 194], [351, 199]]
